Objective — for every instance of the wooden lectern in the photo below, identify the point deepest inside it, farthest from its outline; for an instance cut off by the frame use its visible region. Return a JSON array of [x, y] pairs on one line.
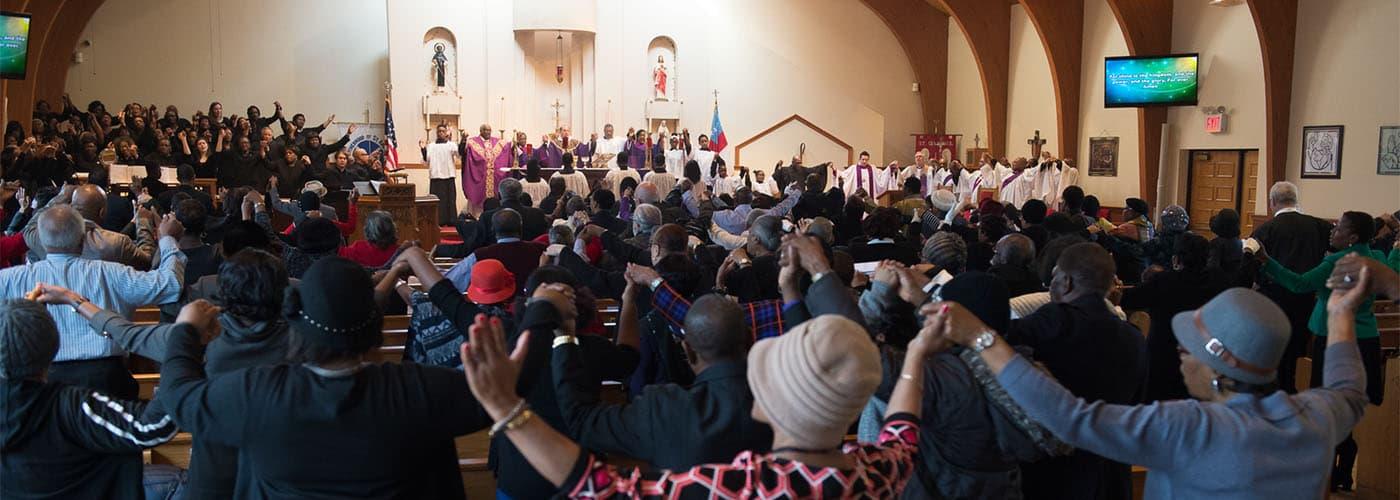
[[889, 197], [415, 216]]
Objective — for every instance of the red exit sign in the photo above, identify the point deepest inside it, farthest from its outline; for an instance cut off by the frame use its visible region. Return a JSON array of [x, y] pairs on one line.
[[1215, 123]]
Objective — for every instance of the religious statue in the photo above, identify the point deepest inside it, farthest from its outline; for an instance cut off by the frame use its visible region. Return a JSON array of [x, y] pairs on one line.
[[658, 78], [440, 64]]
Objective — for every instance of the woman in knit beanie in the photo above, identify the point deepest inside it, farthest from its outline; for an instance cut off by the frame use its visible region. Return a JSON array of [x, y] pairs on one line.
[[809, 384]]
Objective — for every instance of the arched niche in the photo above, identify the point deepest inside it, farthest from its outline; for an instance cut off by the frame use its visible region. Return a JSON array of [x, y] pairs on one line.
[[433, 39], [661, 54]]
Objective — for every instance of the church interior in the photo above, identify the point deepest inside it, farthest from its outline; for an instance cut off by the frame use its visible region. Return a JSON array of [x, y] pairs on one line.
[[1197, 110]]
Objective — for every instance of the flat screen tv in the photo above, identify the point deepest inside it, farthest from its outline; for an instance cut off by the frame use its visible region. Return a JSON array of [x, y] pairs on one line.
[[1139, 81], [14, 44]]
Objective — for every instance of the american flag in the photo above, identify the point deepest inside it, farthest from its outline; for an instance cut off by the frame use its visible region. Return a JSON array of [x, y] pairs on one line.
[[391, 141]]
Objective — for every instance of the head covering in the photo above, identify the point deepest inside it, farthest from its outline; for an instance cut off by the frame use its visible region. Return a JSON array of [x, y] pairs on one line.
[[983, 294], [315, 187], [334, 303], [1138, 205], [317, 235], [308, 201], [989, 206], [491, 282], [28, 339], [943, 200], [1174, 219], [1240, 334], [813, 381], [944, 248]]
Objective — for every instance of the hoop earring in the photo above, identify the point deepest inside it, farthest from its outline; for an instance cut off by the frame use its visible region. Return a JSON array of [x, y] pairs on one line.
[[1215, 385]]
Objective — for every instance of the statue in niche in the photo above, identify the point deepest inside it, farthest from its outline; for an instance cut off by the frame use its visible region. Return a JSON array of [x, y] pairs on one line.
[[440, 64], [658, 78]]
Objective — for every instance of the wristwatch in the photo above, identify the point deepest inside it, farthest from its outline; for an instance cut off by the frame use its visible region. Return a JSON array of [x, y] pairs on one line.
[[983, 341]]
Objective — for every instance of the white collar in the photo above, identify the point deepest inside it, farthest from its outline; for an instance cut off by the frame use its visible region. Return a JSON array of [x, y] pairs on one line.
[[878, 241], [1287, 209]]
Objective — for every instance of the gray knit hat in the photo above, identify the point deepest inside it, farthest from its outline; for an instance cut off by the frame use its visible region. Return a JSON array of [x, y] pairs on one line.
[[28, 339], [1240, 333], [946, 250], [813, 381]]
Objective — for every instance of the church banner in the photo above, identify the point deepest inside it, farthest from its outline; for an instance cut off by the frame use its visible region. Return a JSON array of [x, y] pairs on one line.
[[937, 145]]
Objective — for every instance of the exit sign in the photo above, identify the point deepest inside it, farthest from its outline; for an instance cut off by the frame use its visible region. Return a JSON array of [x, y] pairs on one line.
[[1215, 123]]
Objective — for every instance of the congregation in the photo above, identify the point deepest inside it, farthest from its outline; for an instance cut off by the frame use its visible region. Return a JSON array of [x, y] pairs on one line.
[[934, 330]]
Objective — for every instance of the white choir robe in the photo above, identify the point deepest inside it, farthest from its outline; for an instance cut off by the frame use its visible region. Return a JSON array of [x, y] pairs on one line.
[[1057, 177], [536, 190], [767, 187], [984, 178], [1016, 190], [705, 158], [611, 146], [727, 185], [575, 182], [675, 162], [946, 179], [874, 180], [615, 177], [928, 179], [664, 181]]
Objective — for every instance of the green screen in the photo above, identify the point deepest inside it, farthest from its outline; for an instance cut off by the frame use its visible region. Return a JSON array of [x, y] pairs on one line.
[[14, 45]]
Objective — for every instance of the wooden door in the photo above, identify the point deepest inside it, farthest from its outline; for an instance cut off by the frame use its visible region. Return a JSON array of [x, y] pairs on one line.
[[1215, 181], [1251, 191]]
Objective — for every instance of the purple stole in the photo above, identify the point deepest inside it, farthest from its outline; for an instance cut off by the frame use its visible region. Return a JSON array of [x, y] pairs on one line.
[[859, 169], [1013, 177]]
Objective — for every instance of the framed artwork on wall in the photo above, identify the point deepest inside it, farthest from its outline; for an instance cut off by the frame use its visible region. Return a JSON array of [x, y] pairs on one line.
[[1103, 157], [1388, 154], [1322, 152]]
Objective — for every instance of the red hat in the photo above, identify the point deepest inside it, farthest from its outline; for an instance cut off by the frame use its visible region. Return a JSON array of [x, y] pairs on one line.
[[989, 206], [491, 282]]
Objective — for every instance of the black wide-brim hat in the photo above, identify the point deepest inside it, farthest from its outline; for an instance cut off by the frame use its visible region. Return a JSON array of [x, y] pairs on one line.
[[334, 303]]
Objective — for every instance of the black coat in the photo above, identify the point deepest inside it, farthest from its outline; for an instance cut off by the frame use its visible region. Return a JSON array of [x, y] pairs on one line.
[[1097, 357]]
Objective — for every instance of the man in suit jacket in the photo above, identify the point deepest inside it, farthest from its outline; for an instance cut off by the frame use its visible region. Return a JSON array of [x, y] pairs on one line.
[[520, 257], [1299, 242], [1096, 355], [533, 221]]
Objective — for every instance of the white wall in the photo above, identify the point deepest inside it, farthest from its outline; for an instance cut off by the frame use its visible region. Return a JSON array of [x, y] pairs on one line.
[[316, 56], [1031, 91], [1344, 73], [966, 103], [1231, 73], [1103, 38]]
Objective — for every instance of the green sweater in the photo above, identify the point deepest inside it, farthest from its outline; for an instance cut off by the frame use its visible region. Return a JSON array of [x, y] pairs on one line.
[[1315, 280]]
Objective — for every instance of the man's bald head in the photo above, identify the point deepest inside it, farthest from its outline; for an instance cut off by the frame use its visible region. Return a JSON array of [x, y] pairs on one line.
[[1014, 249], [90, 201], [506, 223], [714, 329], [646, 193], [1082, 269]]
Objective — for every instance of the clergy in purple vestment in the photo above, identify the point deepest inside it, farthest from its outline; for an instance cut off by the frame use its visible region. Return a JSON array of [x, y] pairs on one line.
[[549, 154], [485, 162], [637, 151], [584, 151]]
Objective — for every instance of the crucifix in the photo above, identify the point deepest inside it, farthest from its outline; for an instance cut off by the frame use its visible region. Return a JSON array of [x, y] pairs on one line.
[[1035, 143], [556, 107]]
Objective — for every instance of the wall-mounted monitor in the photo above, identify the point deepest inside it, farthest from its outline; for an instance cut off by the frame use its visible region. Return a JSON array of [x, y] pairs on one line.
[[14, 44], [1138, 81]]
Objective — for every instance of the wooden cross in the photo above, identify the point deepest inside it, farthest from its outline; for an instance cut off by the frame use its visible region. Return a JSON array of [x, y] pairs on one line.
[[556, 107], [1035, 143]]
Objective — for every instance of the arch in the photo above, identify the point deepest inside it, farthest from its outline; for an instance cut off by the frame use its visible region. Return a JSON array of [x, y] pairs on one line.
[[663, 48], [987, 26], [1147, 29], [1276, 23], [1060, 24], [439, 32], [922, 30]]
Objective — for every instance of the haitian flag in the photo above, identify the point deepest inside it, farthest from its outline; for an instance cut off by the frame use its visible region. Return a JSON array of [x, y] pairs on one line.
[[717, 141]]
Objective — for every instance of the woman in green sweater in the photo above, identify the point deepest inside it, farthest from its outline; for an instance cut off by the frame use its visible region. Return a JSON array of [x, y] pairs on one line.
[[1351, 235]]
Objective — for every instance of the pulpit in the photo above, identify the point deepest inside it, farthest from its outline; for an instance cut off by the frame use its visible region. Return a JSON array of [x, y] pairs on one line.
[[415, 216], [889, 198]]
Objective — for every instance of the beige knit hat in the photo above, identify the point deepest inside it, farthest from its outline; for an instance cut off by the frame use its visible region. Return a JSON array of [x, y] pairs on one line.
[[813, 381]]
